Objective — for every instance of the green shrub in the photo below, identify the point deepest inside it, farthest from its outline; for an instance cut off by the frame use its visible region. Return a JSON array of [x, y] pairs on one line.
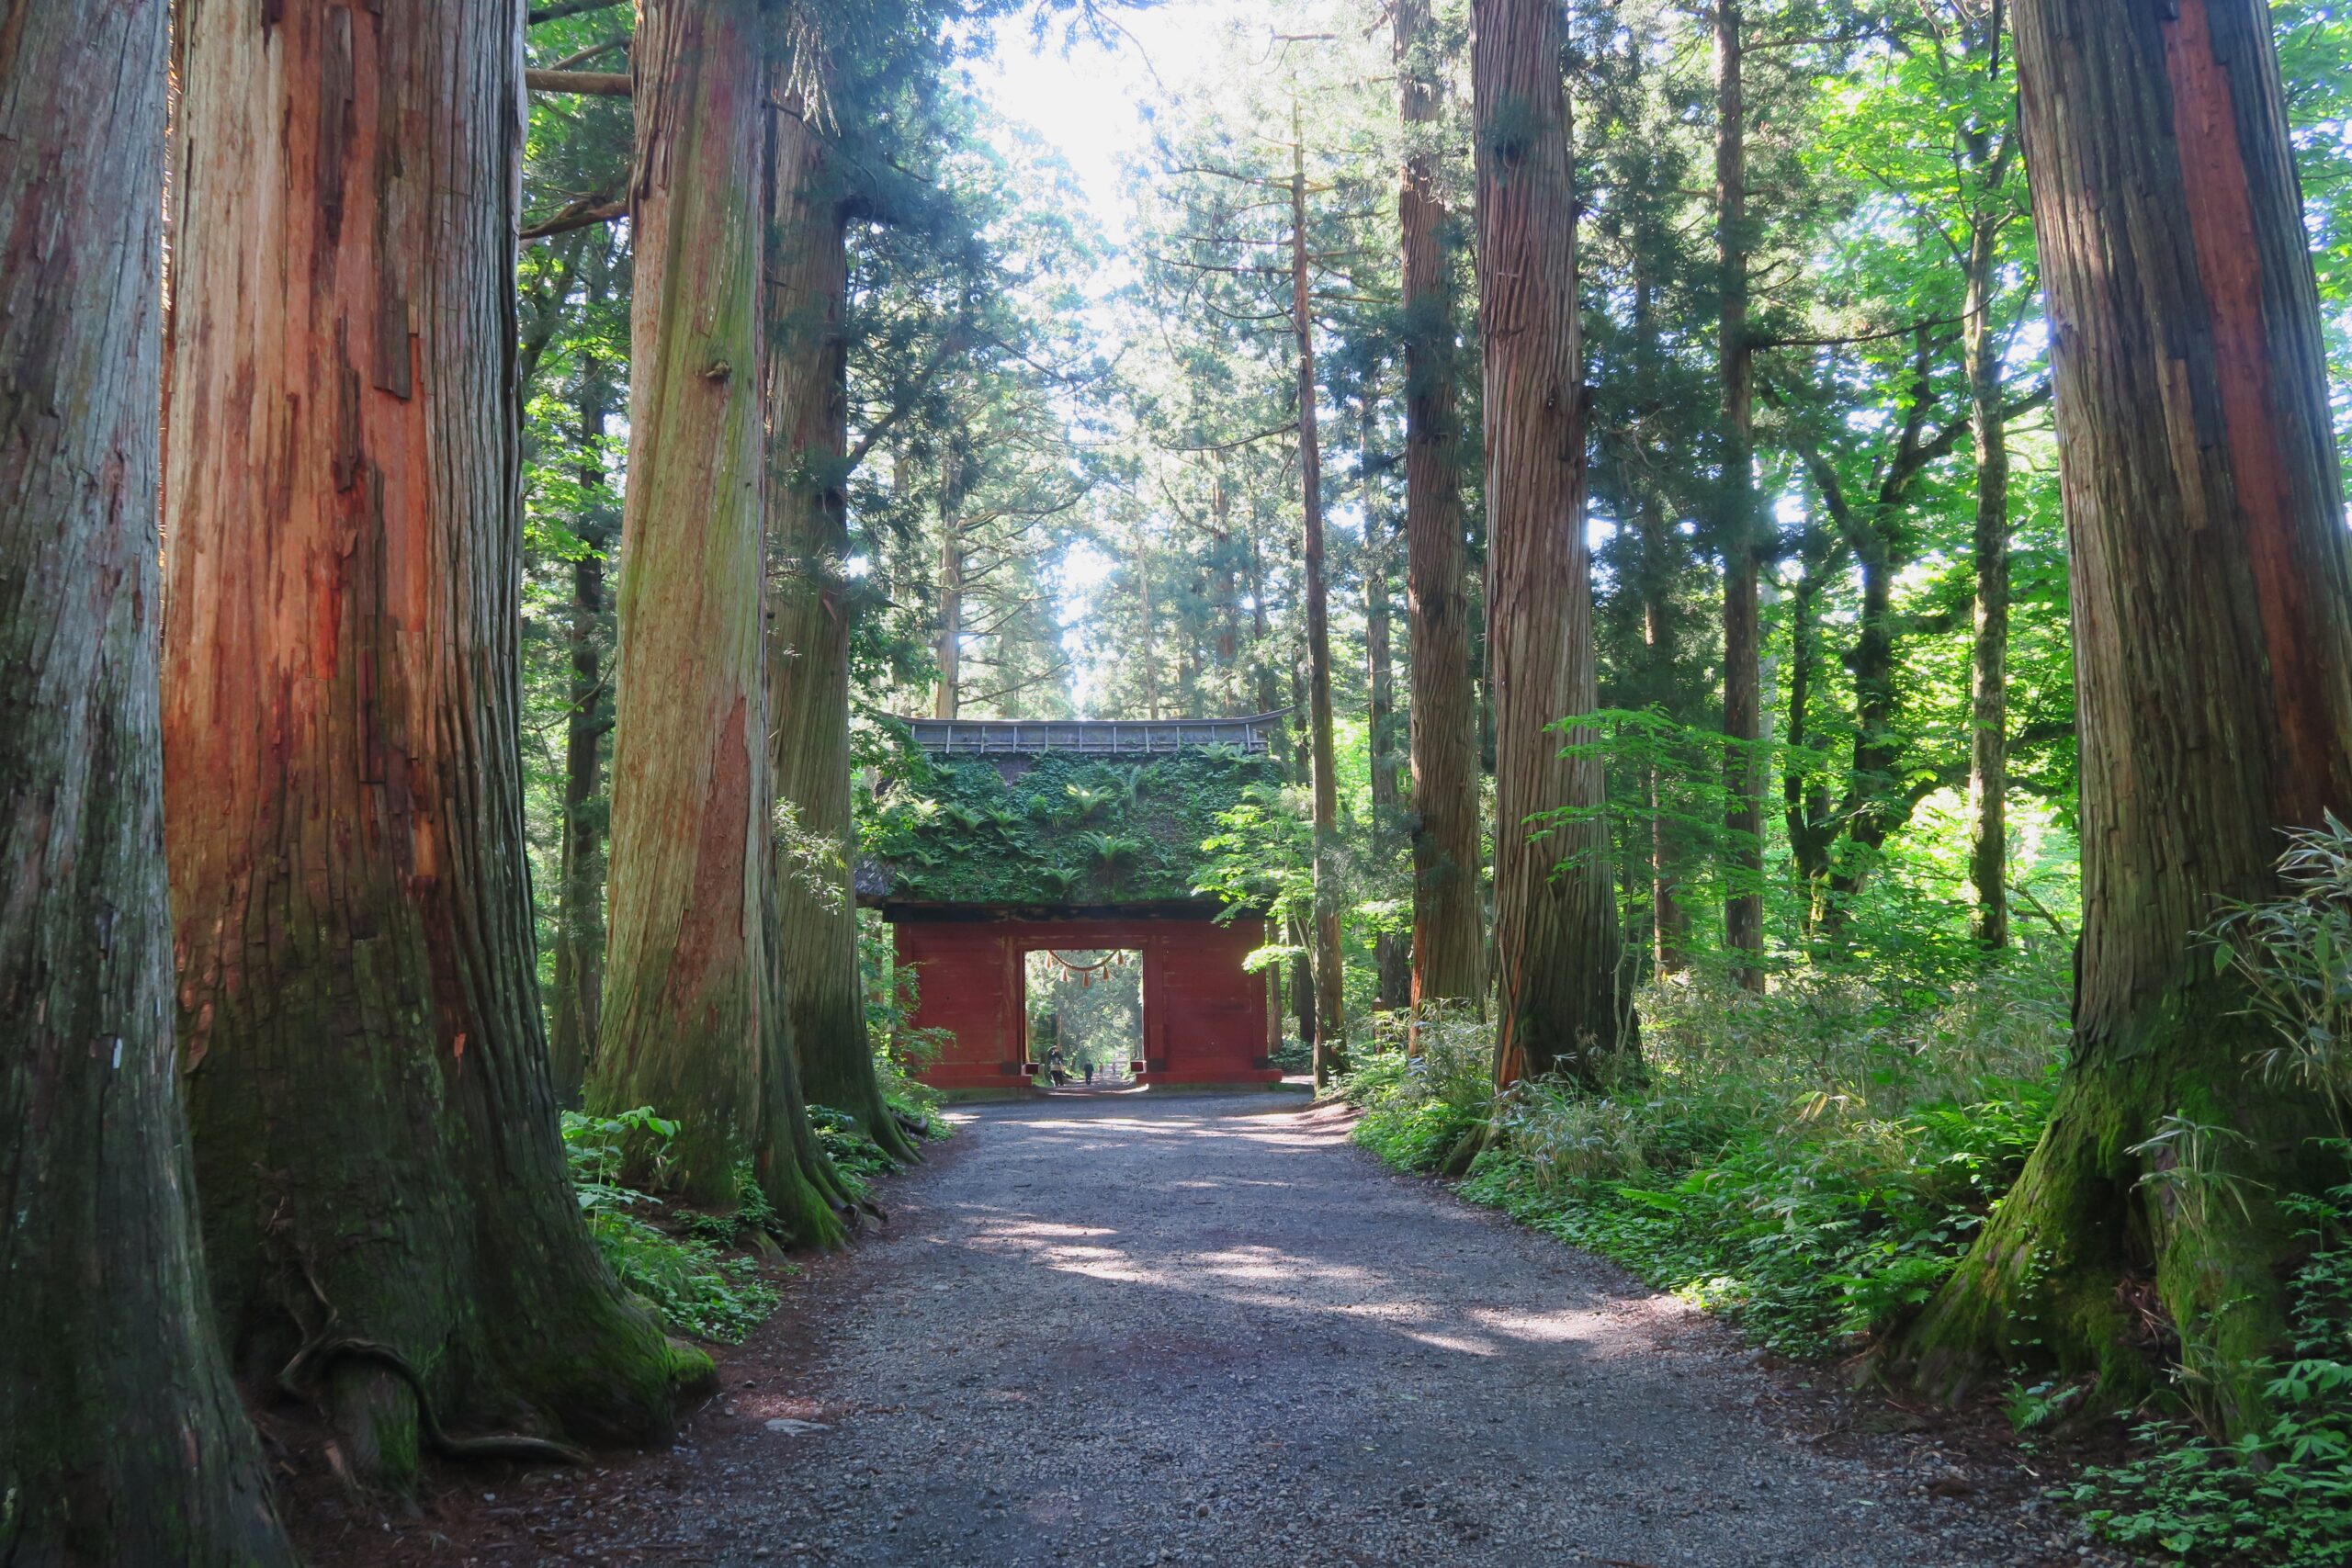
[[858, 1158], [686, 1279], [696, 1289], [1809, 1162], [2280, 1495], [1413, 1136]]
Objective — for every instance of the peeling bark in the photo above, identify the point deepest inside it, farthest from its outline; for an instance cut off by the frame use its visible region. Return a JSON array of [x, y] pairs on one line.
[[1564, 1004], [367, 1072], [122, 1438], [2212, 589], [1449, 925], [694, 1023]]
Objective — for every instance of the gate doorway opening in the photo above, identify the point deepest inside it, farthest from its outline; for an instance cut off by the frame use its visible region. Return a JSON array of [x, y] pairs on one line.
[[1082, 1009]]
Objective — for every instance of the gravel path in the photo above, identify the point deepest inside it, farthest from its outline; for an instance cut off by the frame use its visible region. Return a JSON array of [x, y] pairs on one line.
[[1133, 1330]]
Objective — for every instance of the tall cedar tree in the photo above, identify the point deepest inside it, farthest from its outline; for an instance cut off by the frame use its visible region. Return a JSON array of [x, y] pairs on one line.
[[1563, 999], [359, 1014], [121, 1440], [1449, 926], [2213, 602], [1329, 1030], [1735, 519], [809, 631], [693, 1024]]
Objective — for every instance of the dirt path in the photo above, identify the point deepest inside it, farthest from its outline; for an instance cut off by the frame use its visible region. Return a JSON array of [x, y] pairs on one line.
[[1132, 1331]]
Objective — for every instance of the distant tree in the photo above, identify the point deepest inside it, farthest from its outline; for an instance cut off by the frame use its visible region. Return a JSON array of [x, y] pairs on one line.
[[121, 1440], [808, 623], [577, 984], [1736, 525]]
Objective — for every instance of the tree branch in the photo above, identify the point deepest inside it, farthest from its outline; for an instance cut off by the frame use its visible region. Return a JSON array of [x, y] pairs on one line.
[[581, 214], [563, 8], [950, 346], [1238, 441], [594, 84]]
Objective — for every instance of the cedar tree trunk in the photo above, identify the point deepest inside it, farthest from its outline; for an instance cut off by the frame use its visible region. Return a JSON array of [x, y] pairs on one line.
[[808, 633], [1330, 1024], [359, 1011], [1449, 926], [1735, 518], [2213, 651], [947, 696], [1393, 957], [1564, 1006], [1988, 755], [121, 1440], [692, 1026]]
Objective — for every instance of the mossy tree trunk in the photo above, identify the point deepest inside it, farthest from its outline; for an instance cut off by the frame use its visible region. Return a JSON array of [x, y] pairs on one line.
[[2213, 649], [1449, 925], [366, 1069], [694, 1023], [121, 1440], [1556, 939], [809, 630]]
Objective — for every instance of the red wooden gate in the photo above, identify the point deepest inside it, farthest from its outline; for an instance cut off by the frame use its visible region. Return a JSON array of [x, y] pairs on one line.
[[1204, 1016]]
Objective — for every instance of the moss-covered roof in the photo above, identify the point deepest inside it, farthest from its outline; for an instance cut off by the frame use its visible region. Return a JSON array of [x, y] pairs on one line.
[[1051, 827]]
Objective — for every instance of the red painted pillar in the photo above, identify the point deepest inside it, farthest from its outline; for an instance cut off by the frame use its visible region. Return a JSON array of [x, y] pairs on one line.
[[1204, 1014], [968, 980]]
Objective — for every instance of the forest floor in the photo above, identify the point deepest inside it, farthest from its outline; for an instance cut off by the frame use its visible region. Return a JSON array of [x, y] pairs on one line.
[[1133, 1330]]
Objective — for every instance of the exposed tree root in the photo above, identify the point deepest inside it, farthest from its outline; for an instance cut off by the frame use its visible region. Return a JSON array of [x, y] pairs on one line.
[[304, 1377]]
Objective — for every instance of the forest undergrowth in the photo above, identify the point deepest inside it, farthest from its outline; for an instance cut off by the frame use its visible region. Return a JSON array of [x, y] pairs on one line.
[[1811, 1163], [711, 1273]]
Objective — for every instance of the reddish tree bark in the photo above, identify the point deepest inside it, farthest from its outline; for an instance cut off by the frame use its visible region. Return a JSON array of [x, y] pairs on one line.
[[121, 1440], [1449, 925], [2212, 590], [1564, 1006], [693, 1024], [359, 1011]]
